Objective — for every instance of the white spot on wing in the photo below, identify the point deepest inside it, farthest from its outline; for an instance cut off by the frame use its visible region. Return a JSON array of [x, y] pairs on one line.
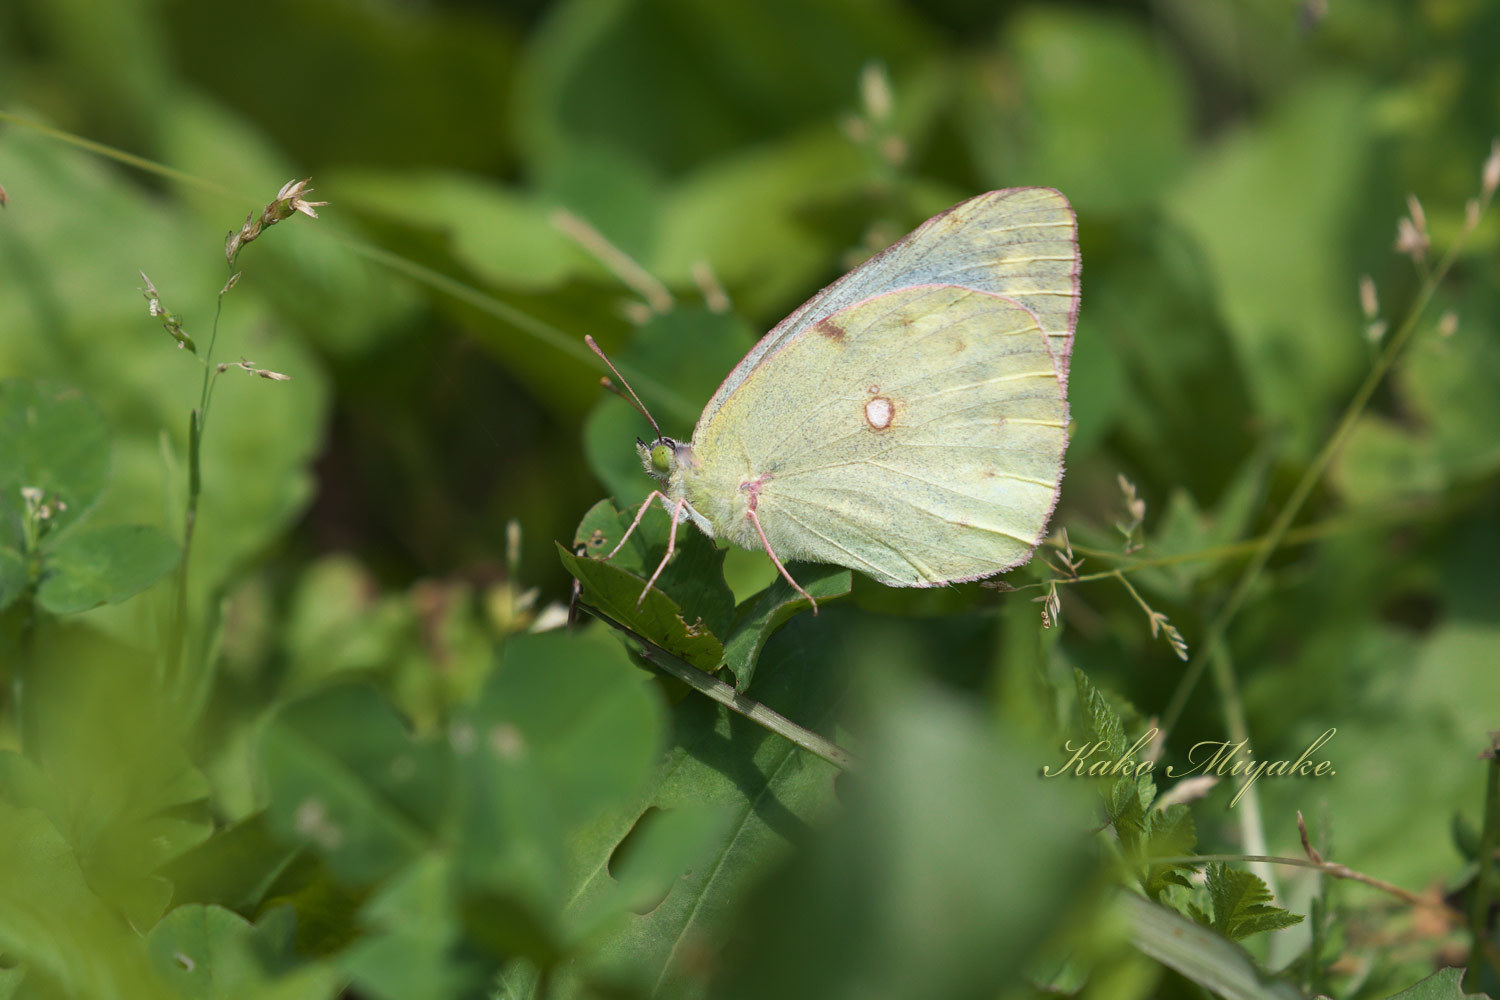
[[878, 413]]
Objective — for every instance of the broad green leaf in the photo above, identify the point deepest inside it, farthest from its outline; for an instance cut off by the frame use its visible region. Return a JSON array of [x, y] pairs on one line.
[[205, 953], [89, 566], [1447, 380], [1199, 954], [687, 609], [759, 793], [746, 216], [1088, 88], [1444, 984], [758, 618], [689, 103], [413, 932], [1383, 463], [52, 438], [503, 235], [210, 953], [115, 779], [1273, 247], [945, 816], [69, 941], [346, 779], [566, 727], [234, 868]]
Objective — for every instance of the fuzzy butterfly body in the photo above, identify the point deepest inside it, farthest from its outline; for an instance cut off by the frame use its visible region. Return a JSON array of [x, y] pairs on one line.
[[909, 420]]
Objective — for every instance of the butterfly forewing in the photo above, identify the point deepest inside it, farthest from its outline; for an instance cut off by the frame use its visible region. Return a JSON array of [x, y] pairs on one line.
[[916, 436], [1021, 243]]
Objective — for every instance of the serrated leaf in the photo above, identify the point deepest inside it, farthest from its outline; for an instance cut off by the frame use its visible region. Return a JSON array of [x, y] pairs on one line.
[[1241, 904], [1100, 721], [87, 567], [1172, 834], [758, 618]]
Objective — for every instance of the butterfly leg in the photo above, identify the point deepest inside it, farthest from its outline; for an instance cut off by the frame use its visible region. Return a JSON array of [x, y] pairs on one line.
[[755, 520], [636, 523], [671, 547]]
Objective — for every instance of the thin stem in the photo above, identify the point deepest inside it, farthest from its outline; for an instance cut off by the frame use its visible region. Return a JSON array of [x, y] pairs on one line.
[[1484, 879], [726, 695], [1118, 575], [1297, 536], [1252, 828], [196, 421], [1310, 479]]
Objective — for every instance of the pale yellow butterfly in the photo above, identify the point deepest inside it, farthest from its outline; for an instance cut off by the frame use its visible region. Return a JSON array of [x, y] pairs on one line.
[[909, 420]]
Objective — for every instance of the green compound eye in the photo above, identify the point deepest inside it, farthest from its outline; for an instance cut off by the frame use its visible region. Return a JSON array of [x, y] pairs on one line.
[[661, 458]]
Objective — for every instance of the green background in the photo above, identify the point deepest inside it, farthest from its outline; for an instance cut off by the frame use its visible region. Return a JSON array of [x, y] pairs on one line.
[[1235, 166]]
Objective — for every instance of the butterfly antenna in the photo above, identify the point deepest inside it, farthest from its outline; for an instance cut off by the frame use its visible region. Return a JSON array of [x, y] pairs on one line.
[[632, 399]]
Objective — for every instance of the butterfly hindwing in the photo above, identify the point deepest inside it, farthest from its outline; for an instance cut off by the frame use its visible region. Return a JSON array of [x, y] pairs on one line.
[[916, 436]]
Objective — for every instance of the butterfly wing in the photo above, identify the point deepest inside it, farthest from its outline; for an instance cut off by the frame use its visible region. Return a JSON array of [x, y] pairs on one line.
[[1021, 243], [916, 436]]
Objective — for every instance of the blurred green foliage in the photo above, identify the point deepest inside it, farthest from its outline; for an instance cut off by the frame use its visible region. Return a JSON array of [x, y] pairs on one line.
[[326, 754]]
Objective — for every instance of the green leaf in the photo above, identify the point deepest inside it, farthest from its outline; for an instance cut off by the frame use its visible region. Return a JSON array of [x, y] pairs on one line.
[[52, 438], [234, 868], [758, 618], [13, 579], [1241, 904], [1171, 834], [1444, 984], [935, 803], [204, 952], [346, 778], [1087, 89], [1202, 956], [116, 782], [1383, 463], [566, 727], [760, 795], [1273, 246], [414, 928], [70, 942], [210, 953], [87, 567], [690, 605]]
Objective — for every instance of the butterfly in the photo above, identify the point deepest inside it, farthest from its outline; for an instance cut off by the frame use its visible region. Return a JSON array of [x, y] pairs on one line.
[[909, 420]]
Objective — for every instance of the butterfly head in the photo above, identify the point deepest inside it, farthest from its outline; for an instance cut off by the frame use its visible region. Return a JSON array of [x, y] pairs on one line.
[[663, 457]]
